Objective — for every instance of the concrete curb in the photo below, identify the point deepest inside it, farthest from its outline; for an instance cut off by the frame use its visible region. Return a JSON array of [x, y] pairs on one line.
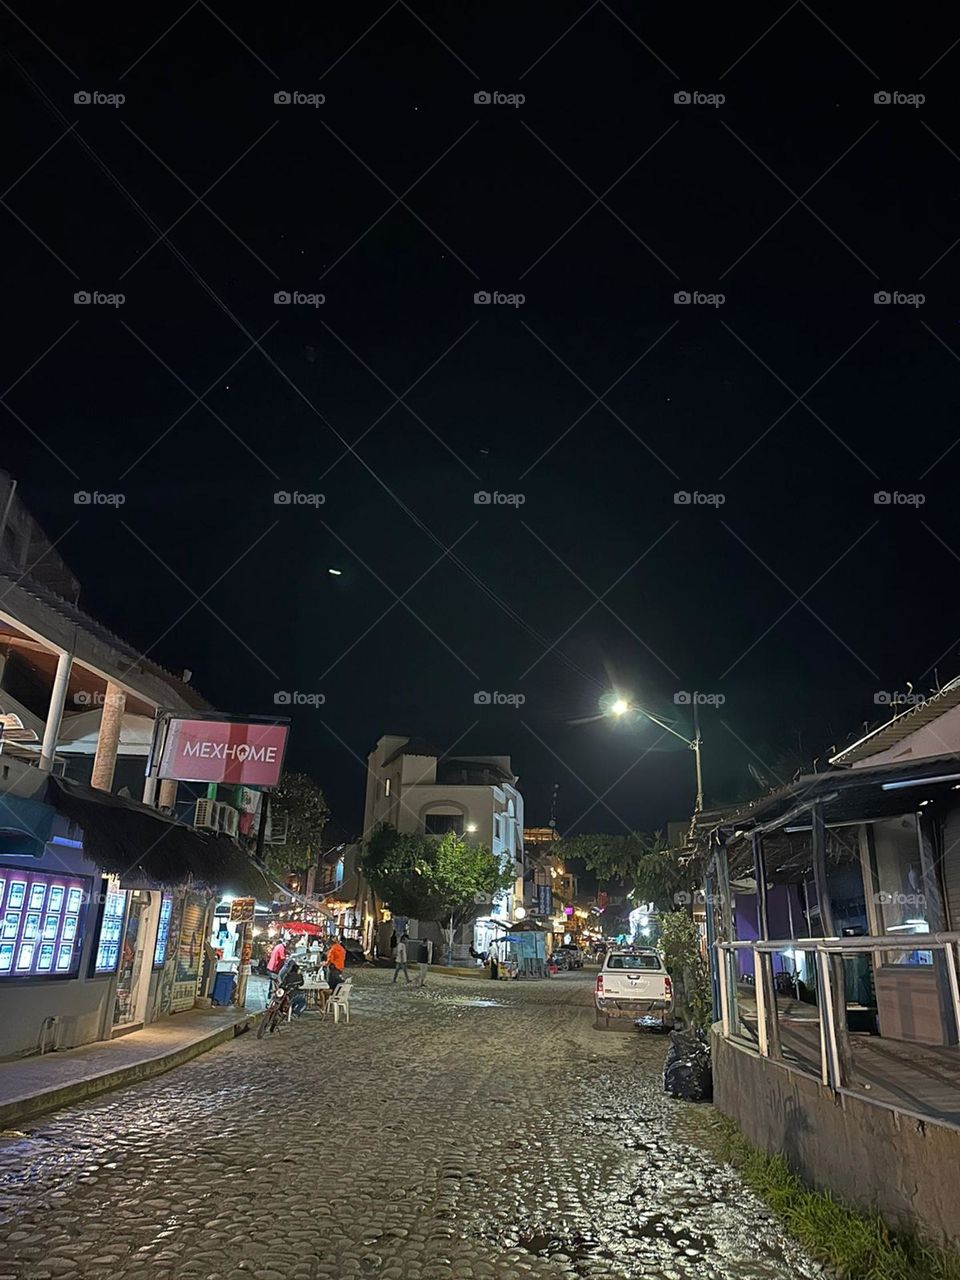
[[29, 1106]]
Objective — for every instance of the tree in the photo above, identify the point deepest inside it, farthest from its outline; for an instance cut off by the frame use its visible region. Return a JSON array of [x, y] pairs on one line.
[[680, 943], [397, 869], [298, 802], [465, 876], [447, 881], [654, 872]]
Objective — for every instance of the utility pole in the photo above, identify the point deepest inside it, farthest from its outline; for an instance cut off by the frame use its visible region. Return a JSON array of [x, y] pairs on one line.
[[695, 744]]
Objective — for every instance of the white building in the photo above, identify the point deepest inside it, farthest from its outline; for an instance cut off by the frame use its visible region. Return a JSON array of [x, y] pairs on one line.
[[418, 790]]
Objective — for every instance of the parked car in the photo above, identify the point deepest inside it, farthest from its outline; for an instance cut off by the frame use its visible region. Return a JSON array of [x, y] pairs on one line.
[[634, 984], [568, 956]]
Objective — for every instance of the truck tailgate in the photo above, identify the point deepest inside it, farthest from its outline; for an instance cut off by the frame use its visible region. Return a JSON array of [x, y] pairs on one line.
[[633, 984]]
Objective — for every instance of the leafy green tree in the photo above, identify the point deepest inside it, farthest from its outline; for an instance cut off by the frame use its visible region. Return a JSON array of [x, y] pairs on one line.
[[397, 868], [645, 863], [680, 943], [299, 803], [447, 880], [465, 876]]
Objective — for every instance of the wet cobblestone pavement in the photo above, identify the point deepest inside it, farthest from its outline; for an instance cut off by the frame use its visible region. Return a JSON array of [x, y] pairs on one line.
[[469, 1130]]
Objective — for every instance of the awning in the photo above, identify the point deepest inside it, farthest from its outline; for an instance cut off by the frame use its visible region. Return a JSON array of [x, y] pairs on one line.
[[131, 840]]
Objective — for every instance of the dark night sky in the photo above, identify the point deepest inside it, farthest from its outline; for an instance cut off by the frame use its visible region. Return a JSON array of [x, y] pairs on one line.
[[798, 199]]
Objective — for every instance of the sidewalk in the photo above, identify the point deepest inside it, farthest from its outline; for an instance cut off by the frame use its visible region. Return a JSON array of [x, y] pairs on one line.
[[30, 1086]]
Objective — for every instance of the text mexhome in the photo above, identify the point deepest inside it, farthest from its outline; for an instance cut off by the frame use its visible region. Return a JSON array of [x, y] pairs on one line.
[[231, 751]]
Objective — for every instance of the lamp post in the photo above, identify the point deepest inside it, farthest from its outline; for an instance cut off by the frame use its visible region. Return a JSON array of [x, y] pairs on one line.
[[621, 706]]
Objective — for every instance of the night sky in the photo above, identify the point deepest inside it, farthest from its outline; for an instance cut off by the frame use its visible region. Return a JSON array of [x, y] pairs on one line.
[[598, 198]]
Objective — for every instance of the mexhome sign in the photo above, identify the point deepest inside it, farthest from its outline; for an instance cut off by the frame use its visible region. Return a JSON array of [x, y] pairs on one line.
[[223, 751]]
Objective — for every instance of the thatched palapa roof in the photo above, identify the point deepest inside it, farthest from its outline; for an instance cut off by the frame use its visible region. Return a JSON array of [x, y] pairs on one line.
[[129, 840]]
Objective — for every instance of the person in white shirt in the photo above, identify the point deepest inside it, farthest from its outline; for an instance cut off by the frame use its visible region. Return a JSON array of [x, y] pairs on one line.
[[400, 958]]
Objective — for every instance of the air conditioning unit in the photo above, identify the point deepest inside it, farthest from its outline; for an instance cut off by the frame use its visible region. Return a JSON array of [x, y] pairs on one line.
[[205, 815], [229, 819]]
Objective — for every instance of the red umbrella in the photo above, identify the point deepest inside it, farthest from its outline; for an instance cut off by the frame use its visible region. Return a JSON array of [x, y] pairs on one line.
[[301, 926]]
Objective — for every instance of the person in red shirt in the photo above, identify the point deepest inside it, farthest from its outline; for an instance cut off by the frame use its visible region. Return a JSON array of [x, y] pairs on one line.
[[336, 959], [277, 958]]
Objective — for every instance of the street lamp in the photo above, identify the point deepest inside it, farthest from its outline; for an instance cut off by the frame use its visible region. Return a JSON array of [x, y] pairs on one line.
[[620, 706]]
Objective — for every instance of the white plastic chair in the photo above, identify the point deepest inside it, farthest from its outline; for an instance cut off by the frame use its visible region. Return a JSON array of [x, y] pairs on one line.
[[339, 1002]]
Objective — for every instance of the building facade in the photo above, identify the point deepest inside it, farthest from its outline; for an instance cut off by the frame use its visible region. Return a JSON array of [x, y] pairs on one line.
[[416, 789], [104, 900]]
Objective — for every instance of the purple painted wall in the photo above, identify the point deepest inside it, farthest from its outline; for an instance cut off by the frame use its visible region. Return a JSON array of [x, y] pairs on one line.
[[745, 920]]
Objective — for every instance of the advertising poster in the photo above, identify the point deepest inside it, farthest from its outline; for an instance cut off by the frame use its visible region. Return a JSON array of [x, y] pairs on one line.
[[189, 954]]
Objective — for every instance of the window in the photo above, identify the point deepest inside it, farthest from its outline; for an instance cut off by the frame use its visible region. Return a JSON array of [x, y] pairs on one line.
[[386, 787], [163, 932], [438, 824], [111, 931], [648, 962], [41, 923]]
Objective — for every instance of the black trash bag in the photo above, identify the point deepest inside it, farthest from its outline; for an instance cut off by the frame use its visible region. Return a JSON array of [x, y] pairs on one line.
[[687, 1073]]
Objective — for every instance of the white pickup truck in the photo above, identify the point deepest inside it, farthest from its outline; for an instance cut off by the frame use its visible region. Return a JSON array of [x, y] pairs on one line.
[[634, 984]]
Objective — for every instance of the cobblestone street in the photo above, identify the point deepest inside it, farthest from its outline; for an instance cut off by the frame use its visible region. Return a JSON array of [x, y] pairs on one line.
[[469, 1130]]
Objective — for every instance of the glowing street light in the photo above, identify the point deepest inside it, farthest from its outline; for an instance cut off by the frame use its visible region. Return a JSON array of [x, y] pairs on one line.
[[620, 707]]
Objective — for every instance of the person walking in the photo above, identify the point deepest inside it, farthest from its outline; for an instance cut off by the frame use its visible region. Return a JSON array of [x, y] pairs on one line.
[[423, 959], [336, 959], [400, 958]]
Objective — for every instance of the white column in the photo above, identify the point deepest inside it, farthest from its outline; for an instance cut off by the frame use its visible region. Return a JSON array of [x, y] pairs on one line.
[[58, 699]]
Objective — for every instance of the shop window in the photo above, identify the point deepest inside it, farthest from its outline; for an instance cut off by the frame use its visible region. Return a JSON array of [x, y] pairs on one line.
[[901, 905], [41, 923], [111, 932], [163, 932], [439, 824]]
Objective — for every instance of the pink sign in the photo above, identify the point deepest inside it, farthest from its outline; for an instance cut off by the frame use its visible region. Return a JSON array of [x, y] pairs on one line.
[[223, 751]]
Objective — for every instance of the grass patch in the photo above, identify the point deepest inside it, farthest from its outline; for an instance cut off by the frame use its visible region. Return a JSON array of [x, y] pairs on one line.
[[857, 1246]]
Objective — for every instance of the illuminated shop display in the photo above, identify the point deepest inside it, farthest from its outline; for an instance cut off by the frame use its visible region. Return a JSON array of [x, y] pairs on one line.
[[111, 931], [163, 932], [41, 923]]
